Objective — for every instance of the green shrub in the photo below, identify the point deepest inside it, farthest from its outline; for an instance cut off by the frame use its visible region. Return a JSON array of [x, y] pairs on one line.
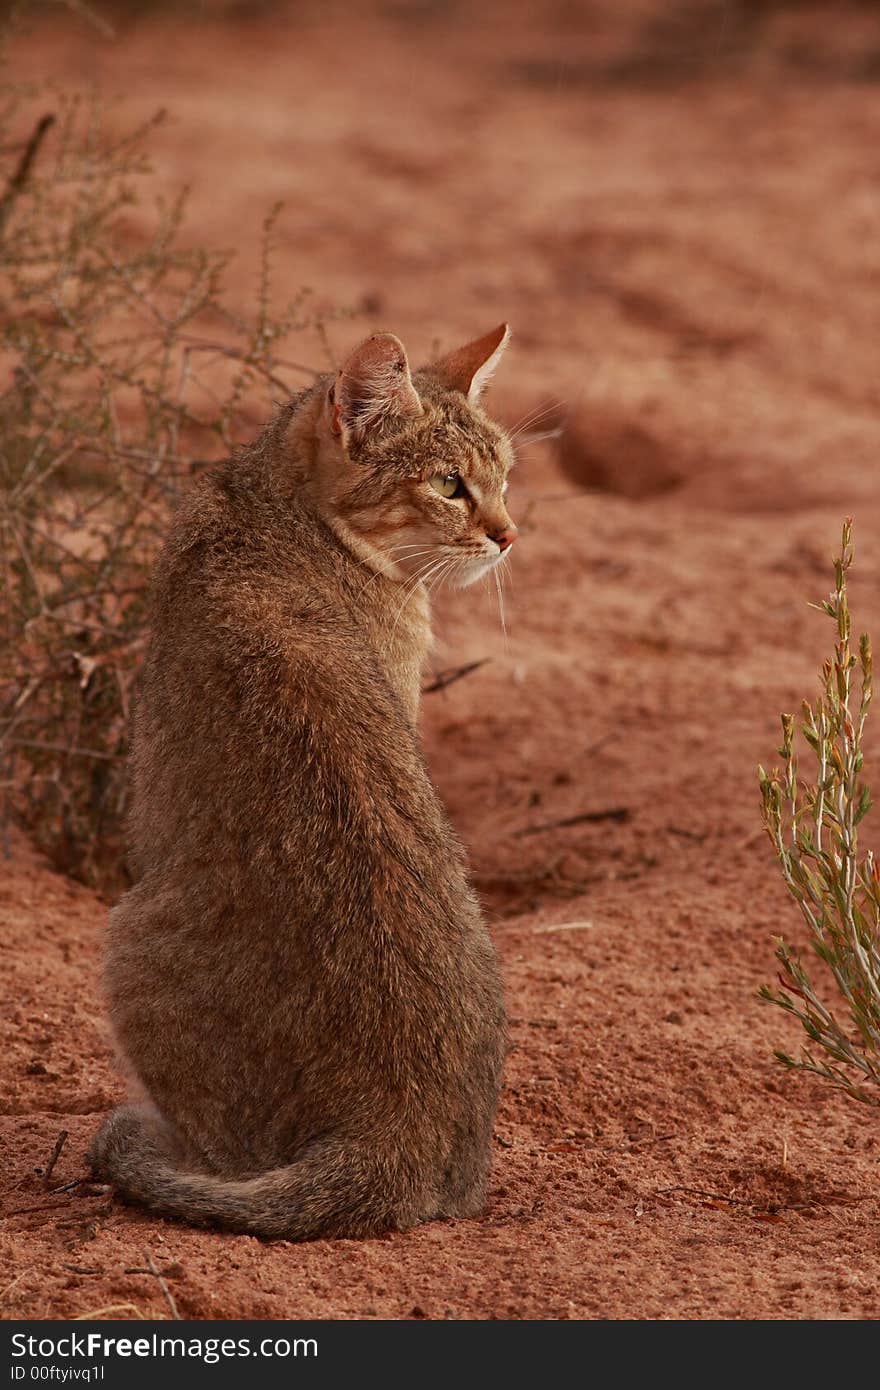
[[814, 830]]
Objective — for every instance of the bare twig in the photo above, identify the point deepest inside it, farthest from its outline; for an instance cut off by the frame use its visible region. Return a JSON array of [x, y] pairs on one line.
[[169, 1297], [40, 1206], [453, 674], [70, 1186], [700, 1192], [23, 168], [601, 743], [620, 814], [55, 1155]]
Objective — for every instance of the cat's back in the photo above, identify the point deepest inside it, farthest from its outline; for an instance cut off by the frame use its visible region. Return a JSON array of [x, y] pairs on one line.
[[263, 696], [251, 611], [240, 567]]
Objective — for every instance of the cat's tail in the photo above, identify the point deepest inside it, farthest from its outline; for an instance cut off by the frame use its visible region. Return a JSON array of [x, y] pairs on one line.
[[333, 1189]]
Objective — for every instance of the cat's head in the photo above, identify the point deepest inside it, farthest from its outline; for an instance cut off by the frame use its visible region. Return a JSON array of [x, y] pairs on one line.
[[410, 472]]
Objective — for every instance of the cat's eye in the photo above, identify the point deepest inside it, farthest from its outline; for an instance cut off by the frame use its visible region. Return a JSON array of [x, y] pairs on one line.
[[447, 484]]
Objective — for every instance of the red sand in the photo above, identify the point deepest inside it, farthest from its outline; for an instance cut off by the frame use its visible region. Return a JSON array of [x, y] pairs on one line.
[[690, 264]]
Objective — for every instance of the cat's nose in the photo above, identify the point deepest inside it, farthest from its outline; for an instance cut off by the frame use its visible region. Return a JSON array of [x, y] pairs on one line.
[[504, 539]]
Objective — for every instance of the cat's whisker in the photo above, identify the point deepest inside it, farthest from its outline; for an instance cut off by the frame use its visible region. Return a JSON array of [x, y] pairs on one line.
[[430, 576], [538, 412], [444, 573], [392, 550], [411, 583], [420, 577], [534, 417], [431, 585], [458, 563], [423, 550], [497, 577], [377, 574], [527, 438]]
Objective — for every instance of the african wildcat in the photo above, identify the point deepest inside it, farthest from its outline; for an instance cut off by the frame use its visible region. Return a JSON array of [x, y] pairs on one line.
[[300, 979]]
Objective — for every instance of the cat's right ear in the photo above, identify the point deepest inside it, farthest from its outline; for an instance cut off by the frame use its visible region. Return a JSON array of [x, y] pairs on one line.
[[372, 388]]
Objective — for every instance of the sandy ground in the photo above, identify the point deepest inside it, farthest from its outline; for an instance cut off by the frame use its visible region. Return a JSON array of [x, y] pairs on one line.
[[681, 224]]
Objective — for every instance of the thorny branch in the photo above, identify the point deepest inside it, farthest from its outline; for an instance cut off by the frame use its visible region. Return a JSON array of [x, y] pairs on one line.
[[20, 174], [123, 373]]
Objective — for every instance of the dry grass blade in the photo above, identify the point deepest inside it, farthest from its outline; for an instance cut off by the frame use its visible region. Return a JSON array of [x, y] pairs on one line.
[[563, 926], [17, 1280], [94, 1313]]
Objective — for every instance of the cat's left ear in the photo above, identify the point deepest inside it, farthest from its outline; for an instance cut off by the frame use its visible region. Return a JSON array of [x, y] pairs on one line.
[[470, 369], [373, 387]]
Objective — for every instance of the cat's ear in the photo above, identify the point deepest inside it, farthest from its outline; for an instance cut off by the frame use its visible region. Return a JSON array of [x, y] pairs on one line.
[[470, 368], [373, 387]]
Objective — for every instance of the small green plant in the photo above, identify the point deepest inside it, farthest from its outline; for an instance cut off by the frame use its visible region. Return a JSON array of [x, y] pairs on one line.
[[813, 827]]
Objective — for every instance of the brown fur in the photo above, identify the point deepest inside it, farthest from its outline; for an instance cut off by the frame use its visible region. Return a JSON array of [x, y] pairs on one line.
[[300, 980]]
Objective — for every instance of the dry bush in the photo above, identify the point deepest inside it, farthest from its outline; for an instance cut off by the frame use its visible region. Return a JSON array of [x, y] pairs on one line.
[[122, 372], [814, 829]]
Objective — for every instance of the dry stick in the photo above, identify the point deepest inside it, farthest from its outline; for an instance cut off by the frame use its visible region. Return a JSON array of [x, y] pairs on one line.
[[637, 1143], [163, 1286], [630, 1144], [43, 1206], [713, 1196], [600, 743], [563, 926], [68, 1186], [63, 748], [5, 842], [16, 1280], [772, 1208], [56, 1154], [453, 674], [621, 814], [20, 176]]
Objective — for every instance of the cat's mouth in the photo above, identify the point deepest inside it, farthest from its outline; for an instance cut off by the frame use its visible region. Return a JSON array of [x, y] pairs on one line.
[[449, 567]]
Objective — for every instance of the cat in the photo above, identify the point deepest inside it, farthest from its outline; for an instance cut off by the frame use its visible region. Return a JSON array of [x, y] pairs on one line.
[[300, 981]]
